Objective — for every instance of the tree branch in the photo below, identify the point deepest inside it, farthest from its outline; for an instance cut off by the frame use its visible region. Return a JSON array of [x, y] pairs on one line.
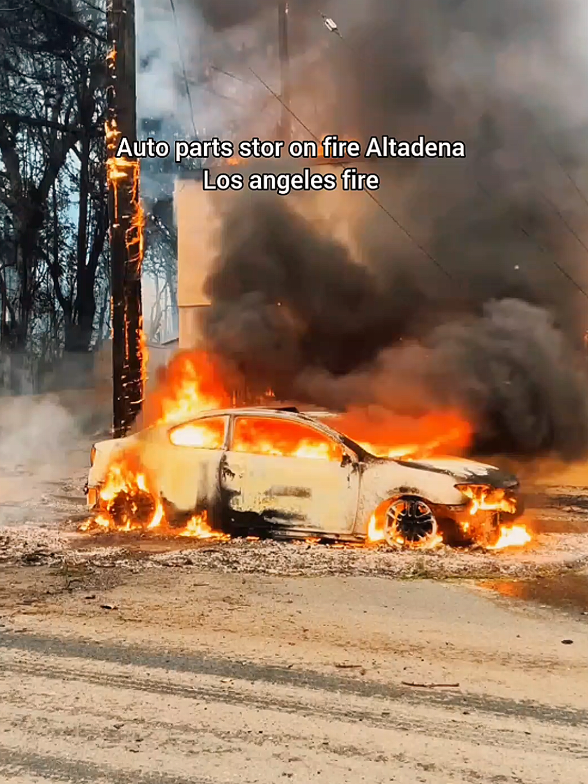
[[74, 22], [38, 122]]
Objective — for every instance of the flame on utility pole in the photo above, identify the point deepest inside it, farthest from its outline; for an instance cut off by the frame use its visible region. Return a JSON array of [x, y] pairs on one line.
[[126, 221]]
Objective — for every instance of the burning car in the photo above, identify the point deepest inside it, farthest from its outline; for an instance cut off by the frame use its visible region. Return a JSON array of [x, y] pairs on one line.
[[287, 473]]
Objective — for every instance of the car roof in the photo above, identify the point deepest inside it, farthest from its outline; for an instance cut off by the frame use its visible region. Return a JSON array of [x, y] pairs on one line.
[[286, 411]]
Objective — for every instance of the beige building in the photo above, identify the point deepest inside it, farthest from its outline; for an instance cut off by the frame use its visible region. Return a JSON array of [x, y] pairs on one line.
[[197, 222], [197, 215]]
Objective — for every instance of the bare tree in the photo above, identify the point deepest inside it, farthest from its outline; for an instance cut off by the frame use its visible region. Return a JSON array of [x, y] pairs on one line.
[[53, 219]]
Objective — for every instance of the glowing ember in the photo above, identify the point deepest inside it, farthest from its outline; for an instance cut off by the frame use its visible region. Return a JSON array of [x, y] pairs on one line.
[[511, 536], [144, 353], [427, 544], [123, 177]]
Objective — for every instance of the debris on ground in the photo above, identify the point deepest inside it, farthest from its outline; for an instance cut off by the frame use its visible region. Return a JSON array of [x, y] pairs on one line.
[[31, 545]]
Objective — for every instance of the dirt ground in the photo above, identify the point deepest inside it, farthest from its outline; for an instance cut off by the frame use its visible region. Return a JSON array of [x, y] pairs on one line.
[[183, 676], [182, 662]]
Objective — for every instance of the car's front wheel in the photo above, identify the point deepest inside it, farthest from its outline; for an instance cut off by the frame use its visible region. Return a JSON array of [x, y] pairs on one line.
[[411, 523]]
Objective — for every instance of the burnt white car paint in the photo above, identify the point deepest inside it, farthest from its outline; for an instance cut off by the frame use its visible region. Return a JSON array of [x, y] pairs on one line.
[[304, 494]]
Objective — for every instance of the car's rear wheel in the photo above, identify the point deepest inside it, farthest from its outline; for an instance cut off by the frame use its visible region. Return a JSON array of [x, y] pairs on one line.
[[411, 523]]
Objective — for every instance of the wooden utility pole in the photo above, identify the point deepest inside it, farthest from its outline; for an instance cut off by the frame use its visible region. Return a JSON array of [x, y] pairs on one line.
[[126, 221], [286, 121]]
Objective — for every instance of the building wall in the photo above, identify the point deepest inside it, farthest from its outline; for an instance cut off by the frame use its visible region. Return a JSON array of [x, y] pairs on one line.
[[197, 223], [198, 214]]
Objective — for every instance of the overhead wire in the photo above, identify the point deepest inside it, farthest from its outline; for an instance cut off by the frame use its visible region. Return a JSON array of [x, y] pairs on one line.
[[183, 65], [384, 209], [555, 263]]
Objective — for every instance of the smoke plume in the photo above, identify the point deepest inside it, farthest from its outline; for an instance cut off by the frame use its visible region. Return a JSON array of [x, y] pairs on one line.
[[224, 14], [466, 286]]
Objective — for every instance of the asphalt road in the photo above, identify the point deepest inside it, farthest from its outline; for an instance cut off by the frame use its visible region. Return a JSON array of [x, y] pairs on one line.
[[176, 676]]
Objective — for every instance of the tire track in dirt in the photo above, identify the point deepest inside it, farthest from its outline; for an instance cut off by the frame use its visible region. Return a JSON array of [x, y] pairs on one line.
[[16, 762], [279, 675], [64, 721], [236, 693]]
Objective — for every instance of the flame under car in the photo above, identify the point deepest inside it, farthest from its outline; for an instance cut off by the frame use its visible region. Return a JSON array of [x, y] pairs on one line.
[[286, 473]]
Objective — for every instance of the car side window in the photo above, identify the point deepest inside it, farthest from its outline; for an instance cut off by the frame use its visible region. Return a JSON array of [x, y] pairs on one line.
[[283, 438], [208, 433]]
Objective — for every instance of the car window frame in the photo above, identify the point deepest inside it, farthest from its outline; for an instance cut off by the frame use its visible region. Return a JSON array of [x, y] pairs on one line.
[[194, 421], [310, 424]]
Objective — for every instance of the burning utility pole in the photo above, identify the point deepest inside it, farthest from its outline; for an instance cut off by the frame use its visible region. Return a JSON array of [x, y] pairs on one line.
[[285, 122], [126, 220]]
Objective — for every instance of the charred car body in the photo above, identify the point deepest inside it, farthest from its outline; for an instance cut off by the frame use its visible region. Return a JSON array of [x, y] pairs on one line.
[[281, 472]]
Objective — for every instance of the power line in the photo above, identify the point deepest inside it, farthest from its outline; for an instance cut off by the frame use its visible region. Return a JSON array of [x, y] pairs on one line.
[[185, 75], [333, 28], [539, 246], [573, 233], [368, 193], [231, 75]]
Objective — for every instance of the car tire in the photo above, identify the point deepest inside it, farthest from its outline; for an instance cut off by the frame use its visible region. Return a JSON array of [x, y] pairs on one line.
[[137, 509], [410, 523]]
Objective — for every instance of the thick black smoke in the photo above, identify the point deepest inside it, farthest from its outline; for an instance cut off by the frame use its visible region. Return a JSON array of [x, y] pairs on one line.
[[224, 14], [487, 314]]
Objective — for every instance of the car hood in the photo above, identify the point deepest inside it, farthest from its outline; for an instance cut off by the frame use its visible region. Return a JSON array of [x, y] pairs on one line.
[[465, 470]]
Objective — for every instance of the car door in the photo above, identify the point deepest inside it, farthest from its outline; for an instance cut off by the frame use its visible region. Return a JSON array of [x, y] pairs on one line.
[[188, 458], [290, 473]]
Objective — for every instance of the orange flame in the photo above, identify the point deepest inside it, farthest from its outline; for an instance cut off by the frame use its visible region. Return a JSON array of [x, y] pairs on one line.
[[190, 384], [483, 497], [128, 501], [207, 434], [375, 530], [386, 435], [280, 437], [511, 536]]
